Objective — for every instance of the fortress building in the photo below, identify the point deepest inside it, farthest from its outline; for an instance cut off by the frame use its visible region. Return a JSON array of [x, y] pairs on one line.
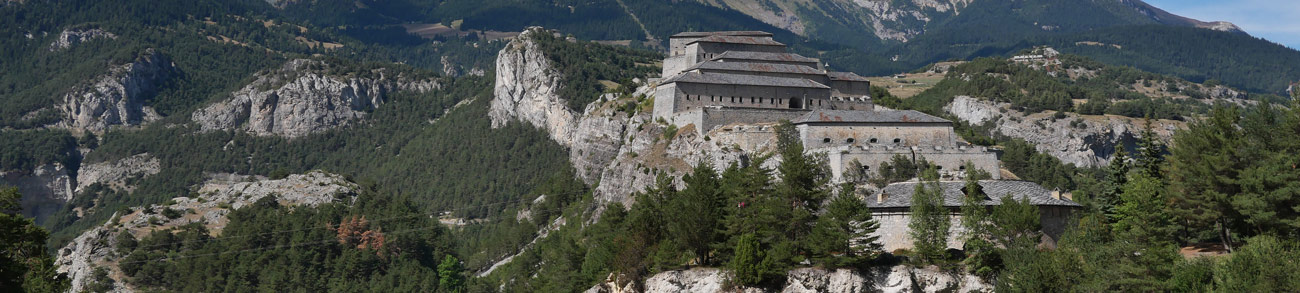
[[718, 78], [715, 79]]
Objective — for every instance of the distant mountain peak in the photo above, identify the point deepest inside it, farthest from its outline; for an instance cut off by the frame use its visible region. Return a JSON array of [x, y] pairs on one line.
[[1164, 17]]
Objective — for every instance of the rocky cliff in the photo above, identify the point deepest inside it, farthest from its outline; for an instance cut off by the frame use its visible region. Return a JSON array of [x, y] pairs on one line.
[[72, 37], [117, 98], [620, 151], [45, 189], [218, 196], [1085, 141], [115, 173], [304, 97], [900, 278]]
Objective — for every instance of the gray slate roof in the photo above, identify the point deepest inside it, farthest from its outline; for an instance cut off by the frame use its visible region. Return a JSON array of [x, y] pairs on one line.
[[899, 195], [762, 41], [880, 116], [722, 33], [765, 56], [846, 76], [756, 67], [741, 79]]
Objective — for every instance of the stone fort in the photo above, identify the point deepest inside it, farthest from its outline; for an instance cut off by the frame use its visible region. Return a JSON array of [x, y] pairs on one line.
[[716, 79]]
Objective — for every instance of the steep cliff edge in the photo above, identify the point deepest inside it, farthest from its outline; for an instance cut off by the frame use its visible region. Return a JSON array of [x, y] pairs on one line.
[[218, 196], [45, 189], [607, 145], [304, 97], [117, 97], [1086, 141]]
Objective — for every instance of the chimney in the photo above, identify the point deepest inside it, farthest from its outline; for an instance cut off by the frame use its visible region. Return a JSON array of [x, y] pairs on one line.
[[880, 197], [1056, 193]]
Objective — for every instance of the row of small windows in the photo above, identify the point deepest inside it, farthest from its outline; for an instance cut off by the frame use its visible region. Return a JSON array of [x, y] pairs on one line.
[[752, 100], [853, 140], [938, 167]]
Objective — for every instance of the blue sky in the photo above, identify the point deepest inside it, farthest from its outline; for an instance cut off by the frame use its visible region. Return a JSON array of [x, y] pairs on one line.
[[1275, 20]]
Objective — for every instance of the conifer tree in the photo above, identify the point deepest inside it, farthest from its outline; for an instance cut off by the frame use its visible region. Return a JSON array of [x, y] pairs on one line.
[[752, 265], [845, 229], [803, 177], [450, 275], [24, 264], [1143, 216], [695, 212], [929, 218], [1150, 152], [1204, 166]]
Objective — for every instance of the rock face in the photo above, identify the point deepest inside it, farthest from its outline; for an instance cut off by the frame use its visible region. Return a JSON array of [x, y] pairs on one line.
[[71, 37], [620, 151], [44, 189], [900, 278], [217, 197], [115, 173], [304, 97], [117, 98], [1084, 141]]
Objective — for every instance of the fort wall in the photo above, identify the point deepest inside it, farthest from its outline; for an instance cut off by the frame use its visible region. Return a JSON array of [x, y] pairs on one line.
[[852, 163], [707, 118], [893, 230], [818, 135]]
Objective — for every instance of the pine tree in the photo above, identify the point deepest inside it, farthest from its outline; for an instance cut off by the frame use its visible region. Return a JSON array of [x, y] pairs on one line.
[[845, 229], [1143, 216], [751, 265], [1150, 152], [750, 206], [1015, 223], [929, 222], [695, 212], [24, 264], [1116, 177], [450, 275], [803, 177], [1204, 165]]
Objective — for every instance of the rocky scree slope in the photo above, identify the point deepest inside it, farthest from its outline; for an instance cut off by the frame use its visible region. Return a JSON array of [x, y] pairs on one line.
[[304, 97], [219, 195], [117, 97]]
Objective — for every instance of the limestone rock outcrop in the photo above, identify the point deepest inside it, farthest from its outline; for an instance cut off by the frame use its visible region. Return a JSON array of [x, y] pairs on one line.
[[621, 152], [115, 173], [1085, 141], [304, 97], [117, 97], [71, 37], [219, 195], [899, 278], [45, 189]]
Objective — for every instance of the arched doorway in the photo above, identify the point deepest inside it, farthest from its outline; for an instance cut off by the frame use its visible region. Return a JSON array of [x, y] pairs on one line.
[[796, 103]]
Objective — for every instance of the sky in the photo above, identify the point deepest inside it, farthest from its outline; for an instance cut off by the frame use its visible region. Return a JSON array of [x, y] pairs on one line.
[[1274, 20]]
